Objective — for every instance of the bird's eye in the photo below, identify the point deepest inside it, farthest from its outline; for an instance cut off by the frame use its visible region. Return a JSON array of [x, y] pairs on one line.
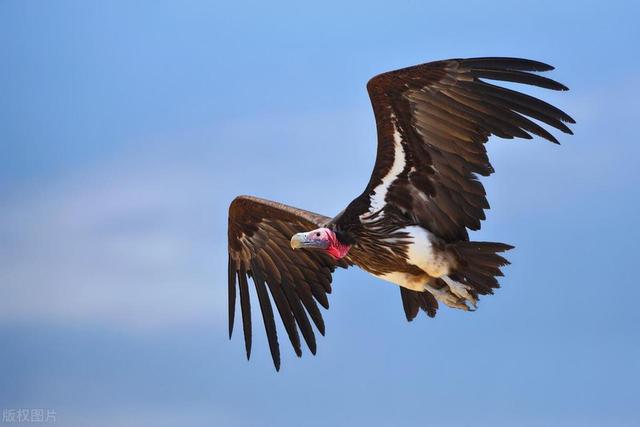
[[318, 234]]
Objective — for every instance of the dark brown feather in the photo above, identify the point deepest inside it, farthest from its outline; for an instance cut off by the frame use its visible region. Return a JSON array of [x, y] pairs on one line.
[[413, 301], [518, 77], [245, 307], [232, 294], [267, 316]]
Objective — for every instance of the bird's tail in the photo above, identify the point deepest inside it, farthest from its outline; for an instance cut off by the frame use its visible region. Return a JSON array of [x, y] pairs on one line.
[[479, 265]]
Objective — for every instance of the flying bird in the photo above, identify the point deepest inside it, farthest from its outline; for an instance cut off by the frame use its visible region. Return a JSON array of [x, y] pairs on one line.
[[410, 224]]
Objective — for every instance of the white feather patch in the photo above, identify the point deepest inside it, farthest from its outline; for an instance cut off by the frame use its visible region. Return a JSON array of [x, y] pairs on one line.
[[422, 253], [377, 199]]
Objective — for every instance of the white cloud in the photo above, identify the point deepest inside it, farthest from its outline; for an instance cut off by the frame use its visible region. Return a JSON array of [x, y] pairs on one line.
[[111, 247]]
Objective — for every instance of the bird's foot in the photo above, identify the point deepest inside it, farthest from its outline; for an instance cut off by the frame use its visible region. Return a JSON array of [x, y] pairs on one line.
[[461, 290], [445, 296]]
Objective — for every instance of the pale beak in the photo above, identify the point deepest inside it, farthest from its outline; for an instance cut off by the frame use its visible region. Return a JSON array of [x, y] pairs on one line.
[[297, 240], [303, 240]]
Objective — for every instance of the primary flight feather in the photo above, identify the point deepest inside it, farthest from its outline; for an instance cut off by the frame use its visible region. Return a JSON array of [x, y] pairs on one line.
[[410, 224]]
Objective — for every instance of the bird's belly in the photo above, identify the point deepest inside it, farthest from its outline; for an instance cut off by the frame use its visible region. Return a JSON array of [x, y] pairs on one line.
[[416, 282]]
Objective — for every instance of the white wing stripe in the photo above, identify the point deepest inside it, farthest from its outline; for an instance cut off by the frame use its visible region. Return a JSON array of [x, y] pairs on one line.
[[377, 198]]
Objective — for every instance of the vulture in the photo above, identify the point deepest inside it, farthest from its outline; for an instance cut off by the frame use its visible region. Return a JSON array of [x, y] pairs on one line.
[[410, 224]]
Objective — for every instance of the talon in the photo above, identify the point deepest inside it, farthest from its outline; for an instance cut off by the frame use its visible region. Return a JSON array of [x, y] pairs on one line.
[[445, 296], [462, 292]]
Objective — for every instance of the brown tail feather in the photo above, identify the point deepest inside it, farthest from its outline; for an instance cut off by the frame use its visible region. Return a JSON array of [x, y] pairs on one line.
[[479, 264], [413, 301]]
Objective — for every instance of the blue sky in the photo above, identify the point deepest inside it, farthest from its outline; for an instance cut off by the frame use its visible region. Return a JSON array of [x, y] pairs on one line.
[[126, 129]]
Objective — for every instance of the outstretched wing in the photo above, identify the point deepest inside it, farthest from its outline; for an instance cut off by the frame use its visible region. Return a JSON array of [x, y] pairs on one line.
[[433, 120], [259, 236]]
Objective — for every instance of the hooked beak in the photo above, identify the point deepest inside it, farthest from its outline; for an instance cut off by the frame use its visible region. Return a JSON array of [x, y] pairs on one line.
[[303, 240]]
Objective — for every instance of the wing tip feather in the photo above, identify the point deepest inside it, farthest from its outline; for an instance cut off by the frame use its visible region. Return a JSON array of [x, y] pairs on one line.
[[507, 63]]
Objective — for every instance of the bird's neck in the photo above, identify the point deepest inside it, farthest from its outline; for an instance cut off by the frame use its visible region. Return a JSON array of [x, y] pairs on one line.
[[337, 249]]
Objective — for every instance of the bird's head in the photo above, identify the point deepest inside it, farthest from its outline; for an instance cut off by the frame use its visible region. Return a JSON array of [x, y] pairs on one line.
[[321, 239]]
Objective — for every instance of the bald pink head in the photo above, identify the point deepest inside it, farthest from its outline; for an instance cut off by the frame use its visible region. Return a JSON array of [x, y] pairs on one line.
[[323, 239]]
